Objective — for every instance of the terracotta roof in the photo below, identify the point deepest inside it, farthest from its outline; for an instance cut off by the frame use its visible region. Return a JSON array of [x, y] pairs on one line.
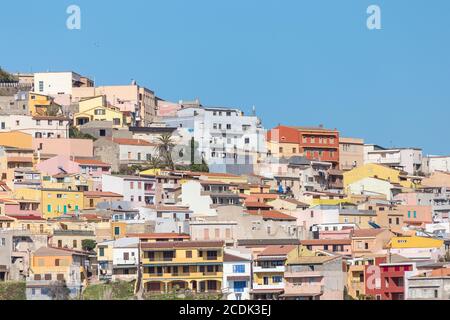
[[50, 251], [94, 194], [27, 217], [5, 218], [277, 250], [227, 257], [183, 244], [271, 215], [296, 202], [20, 159], [133, 142], [318, 242], [93, 162], [367, 233], [251, 204], [209, 174], [442, 272]]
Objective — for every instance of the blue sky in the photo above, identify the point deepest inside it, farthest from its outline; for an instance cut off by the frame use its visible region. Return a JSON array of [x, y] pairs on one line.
[[300, 62]]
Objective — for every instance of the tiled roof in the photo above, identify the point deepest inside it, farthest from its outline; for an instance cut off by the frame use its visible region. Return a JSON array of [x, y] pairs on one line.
[[251, 204], [133, 142], [50, 251], [94, 194], [277, 250], [364, 233], [233, 258], [92, 162], [271, 215], [27, 217]]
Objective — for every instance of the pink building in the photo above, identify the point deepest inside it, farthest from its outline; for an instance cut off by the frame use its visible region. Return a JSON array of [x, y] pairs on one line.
[[416, 215], [90, 168], [337, 246], [83, 148]]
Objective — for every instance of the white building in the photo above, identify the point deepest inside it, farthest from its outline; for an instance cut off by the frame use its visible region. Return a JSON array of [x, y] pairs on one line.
[[432, 164], [237, 274], [228, 140], [139, 191], [374, 187], [125, 259], [37, 127], [59, 83], [405, 159]]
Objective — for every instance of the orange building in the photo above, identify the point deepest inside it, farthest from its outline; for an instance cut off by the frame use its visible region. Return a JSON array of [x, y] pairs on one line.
[[316, 144]]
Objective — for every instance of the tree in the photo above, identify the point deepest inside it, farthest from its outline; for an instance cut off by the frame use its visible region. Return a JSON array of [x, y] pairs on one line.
[[154, 162], [74, 133], [6, 76], [88, 245], [165, 148], [59, 291]]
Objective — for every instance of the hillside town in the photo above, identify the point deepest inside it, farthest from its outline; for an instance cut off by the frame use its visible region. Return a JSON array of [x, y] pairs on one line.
[[112, 186]]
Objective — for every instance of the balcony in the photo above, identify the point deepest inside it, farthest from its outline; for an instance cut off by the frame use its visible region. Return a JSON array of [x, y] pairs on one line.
[[305, 274], [269, 269], [277, 286], [170, 186], [304, 289], [122, 262]]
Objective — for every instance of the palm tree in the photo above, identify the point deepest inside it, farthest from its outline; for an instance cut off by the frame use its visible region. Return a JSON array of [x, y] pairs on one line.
[[154, 162], [165, 148]]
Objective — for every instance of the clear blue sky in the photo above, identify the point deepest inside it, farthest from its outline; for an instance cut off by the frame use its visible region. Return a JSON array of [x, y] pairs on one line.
[[301, 62]]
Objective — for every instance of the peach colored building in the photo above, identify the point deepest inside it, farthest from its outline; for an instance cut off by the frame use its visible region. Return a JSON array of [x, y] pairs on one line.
[[337, 246], [370, 241], [83, 148], [417, 215], [351, 153]]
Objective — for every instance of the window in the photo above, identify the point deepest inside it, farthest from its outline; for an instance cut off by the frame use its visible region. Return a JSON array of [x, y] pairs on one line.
[[37, 277], [50, 122], [366, 246], [102, 133], [49, 208], [101, 252], [228, 126], [126, 256], [415, 214], [239, 268], [189, 254], [3, 126], [3, 242], [277, 279], [239, 286], [116, 231], [41, 86], [17, 122], [48, 277], [436, 294], [75, 243], [60, 277], [57, 262]]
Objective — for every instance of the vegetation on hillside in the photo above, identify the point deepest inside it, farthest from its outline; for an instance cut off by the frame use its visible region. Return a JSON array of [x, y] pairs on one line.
[[6, 76], [12, 290], [119, 290]]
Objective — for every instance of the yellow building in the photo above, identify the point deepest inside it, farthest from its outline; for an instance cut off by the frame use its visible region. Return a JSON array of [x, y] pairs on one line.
[[38, 103], [73, 181], [414, 242], [49, 265], [362, 218], [16, 139], [170, 266], [54, 202], [381, 172], [97, 109]]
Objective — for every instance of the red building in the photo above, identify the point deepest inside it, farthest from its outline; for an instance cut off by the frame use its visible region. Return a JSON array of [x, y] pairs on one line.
[[386, 281], [317, 144]]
